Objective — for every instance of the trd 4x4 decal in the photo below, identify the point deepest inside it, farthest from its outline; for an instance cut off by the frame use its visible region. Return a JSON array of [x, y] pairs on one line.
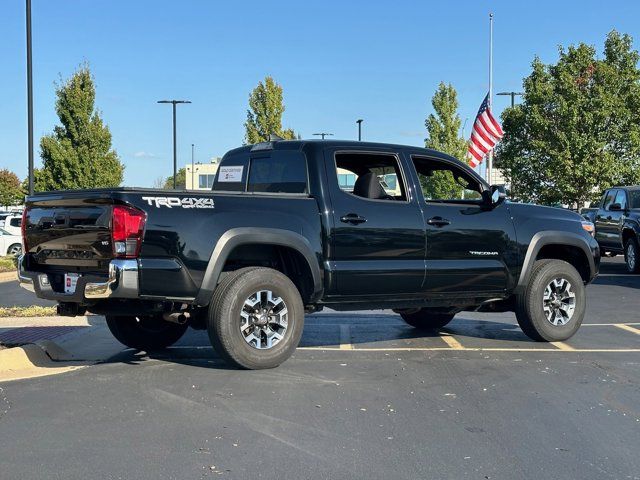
[[188, 202]]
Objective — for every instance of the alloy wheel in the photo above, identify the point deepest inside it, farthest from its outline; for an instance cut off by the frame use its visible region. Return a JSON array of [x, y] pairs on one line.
[[559, 302], [264, 319]]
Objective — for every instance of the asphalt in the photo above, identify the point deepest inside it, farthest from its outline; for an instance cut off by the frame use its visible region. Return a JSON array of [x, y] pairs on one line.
[[12, 295], [364, 397]]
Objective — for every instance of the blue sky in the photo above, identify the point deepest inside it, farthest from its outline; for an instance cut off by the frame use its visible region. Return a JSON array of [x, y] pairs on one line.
[[336, 60]]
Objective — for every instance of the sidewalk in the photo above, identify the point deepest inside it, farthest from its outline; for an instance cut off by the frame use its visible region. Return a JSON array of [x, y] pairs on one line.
[[35, 347]]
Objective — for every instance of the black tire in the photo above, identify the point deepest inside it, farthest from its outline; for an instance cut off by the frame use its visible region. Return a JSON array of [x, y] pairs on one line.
[[15, 249], [145, 333], [632, 255], [224, 320], [530, 307], [426, 319]]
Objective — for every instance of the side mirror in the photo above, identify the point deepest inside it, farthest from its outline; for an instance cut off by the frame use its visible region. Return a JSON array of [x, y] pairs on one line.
[[498, 194], [615, 207]]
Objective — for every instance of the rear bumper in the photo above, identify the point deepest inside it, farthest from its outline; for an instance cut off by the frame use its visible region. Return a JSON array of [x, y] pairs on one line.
[[121, 282]]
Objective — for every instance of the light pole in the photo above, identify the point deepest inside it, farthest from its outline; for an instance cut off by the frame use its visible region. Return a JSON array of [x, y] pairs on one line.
[[512, 95], [323, 134], [175, 154], [29, 98], [359, 122]]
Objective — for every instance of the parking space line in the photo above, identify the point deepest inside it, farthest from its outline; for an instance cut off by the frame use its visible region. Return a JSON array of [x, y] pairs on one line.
[[451, 341], [345, 337], [608, 324], [562, 346], [627, 328], [477, 349]]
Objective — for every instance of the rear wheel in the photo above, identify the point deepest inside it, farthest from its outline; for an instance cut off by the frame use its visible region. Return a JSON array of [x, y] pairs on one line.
[[145, 333], [425, 318], [552, 306], [632, 255], [256, 318]]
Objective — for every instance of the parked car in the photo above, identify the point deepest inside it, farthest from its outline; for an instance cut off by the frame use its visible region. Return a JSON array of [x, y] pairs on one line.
[[10, 244], [278, 237], [617, 223], [12, 223]]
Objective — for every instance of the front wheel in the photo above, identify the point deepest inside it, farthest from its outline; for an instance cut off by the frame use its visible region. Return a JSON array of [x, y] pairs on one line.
[[552, 307], [147, 333], [632, 255], [425, 318], [256, 318], [14, 250]]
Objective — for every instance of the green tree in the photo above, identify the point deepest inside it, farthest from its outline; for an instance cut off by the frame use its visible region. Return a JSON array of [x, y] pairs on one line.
[[11, 192], [78, 153], [181, 180], [577, 130], [443, 134], [264, 116]]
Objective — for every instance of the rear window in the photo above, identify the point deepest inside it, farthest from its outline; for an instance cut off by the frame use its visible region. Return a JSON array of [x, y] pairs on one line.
[[232, 173], [280, 172], [267, 172]]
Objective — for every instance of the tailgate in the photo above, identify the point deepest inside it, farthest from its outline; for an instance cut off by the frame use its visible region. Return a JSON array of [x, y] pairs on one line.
[[69, 231]]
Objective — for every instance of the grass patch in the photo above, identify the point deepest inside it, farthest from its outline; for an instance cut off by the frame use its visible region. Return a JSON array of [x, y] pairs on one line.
[[32, 311], [8, 264]]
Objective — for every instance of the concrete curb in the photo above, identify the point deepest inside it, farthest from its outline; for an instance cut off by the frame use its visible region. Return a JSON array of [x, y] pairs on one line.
[[8, 276], [36, 360], [70, 351]]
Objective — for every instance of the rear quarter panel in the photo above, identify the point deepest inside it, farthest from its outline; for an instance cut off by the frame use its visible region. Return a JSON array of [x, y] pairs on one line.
[[179, 240]]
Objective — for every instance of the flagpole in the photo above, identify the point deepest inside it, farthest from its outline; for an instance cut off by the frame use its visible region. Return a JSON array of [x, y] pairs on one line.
[[490, 157]]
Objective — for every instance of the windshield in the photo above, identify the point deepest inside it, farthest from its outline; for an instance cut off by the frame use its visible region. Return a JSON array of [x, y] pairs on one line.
[[634, 198]]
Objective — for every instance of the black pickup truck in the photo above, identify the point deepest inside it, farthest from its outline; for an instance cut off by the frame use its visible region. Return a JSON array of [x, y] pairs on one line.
[[293, 226], [617, 224]]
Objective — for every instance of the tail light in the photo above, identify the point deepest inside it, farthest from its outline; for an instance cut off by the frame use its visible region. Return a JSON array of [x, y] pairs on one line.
[[127, 228], [23, 230]]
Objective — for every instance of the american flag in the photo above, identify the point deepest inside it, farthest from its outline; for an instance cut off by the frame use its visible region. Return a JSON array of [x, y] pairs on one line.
[[485, 134]]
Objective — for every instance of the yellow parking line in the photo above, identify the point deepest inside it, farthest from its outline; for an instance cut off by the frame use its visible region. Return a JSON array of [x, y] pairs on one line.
[[451, 341], [627, 328], [345, 337], [562, 346]]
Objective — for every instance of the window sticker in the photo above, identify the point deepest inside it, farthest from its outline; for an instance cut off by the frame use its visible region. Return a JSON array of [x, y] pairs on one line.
[[230, 174]]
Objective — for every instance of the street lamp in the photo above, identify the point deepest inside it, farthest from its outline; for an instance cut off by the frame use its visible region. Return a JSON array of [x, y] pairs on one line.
[[29, 98], [359, 122], [512, 95], [175, 155], [323, 134]]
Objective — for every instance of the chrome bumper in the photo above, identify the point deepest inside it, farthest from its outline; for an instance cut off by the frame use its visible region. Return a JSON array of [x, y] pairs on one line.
[[121, 282]]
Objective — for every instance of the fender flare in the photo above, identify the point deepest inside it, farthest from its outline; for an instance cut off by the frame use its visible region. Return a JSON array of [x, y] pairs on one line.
[[553, 237], [255, 235]]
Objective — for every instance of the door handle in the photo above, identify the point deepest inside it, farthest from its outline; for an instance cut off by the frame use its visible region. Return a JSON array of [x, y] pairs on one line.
[[438, 222], [352, 218]]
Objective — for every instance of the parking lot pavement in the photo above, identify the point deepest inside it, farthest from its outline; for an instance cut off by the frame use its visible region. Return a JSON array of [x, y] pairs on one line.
[[12, 295], [364, 396]]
